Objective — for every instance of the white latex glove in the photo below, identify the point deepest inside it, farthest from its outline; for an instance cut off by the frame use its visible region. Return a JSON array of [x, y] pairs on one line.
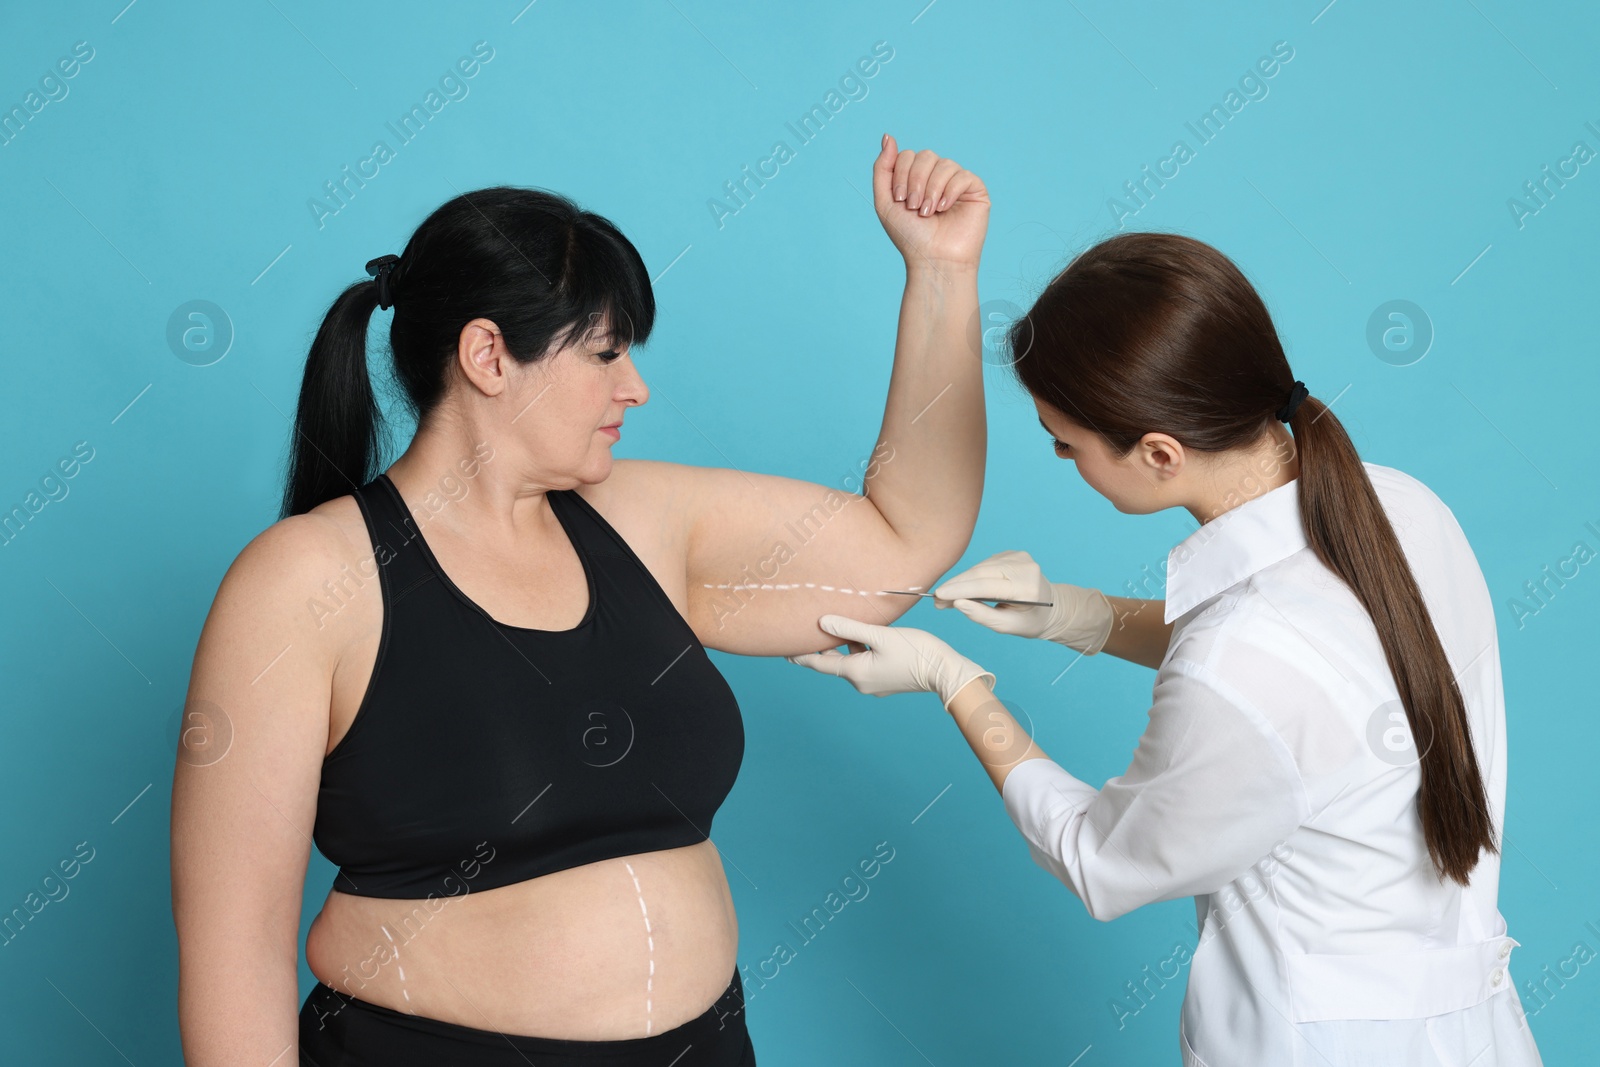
[[897, 660], [1079, 618]]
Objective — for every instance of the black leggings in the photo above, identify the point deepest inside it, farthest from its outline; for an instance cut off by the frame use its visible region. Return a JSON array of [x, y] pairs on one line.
[[342, 1031]]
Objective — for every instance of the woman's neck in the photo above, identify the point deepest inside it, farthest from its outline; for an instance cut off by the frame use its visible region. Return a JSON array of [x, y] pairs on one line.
[[1241, 475]]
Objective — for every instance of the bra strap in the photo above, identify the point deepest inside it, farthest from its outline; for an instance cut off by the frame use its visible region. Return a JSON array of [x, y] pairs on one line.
[[393, 533]]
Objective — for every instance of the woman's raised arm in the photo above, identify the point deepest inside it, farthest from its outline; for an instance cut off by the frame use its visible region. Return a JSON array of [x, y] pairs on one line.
[[767, 555]]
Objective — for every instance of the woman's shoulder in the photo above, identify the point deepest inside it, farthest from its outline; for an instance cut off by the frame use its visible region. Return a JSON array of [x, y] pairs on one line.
[[1440, 555], [1397, 480], [644, 500], [647, 503], [289, 561], [1413, 507], [332, 532]]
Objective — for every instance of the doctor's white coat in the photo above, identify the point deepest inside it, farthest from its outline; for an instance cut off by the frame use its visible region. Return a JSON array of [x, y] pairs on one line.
[[1276, 783]]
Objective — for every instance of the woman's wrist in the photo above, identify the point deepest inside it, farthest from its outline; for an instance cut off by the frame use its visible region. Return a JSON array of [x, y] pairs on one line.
[[936, 271], [993, 734], [972, 694]]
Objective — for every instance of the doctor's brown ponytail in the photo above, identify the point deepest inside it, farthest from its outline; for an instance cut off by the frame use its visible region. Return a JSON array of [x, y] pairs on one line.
[[1154, 331]]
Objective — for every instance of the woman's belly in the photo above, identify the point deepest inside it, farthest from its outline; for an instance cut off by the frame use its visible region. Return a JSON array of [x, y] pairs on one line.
[[617, 949]]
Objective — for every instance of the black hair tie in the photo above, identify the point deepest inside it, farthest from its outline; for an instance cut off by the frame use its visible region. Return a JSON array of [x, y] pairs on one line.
[[1298, 393], [380, 269]]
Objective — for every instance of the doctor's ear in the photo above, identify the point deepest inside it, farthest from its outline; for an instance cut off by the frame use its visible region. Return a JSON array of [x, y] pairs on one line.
[[1161, 453]]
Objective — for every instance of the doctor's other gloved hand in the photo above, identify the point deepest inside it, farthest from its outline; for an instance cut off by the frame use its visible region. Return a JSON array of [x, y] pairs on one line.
[[897, 660], [1079, 618]]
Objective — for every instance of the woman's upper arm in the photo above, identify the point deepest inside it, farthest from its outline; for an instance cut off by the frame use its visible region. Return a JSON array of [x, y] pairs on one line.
[[255, 728], [766, 555]]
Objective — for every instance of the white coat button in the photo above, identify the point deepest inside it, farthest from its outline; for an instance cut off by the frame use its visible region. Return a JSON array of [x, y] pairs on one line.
[[1497, 976], [1505, 950]]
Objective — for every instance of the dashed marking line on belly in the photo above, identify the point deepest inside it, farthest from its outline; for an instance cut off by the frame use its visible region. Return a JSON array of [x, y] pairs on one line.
[[650, 940], [400, 967]]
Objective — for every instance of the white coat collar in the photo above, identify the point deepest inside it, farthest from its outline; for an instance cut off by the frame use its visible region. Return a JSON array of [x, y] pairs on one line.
[[1231, 547]]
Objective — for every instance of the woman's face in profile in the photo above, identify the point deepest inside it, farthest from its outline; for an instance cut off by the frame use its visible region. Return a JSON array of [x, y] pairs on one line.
[[561, 405], [1128, 486]]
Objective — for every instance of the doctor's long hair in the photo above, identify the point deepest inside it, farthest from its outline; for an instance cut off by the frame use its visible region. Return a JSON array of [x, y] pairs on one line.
[[1156, 331], [531, 261]]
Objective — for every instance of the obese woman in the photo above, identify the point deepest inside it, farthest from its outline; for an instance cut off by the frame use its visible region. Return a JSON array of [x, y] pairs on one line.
[[477, 678]]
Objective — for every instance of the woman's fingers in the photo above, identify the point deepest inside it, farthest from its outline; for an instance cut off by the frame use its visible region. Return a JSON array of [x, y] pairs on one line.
[[933, 193], [926, 184], [883, 171], [983, 580], [921, 168], [923, 180], [834, 662], [829, 662], [902, 172], [989, 568], [842, 626], [977, 589], [1000, 619], [994, 618], [959, 185], [1002, 574]]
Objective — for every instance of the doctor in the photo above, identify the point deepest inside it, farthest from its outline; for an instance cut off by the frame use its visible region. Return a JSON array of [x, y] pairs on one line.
[[1323, 769]]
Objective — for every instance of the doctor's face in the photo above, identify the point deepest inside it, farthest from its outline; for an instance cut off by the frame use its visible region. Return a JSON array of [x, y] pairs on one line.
[[1132, 483]]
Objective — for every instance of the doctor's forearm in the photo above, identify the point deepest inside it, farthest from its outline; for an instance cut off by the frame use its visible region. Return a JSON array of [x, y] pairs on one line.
[[928, 478], [996, 738], [1138, 633]]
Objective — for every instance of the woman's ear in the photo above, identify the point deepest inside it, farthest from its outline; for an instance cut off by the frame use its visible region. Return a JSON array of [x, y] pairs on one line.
[[1161, 454], [479, 356]]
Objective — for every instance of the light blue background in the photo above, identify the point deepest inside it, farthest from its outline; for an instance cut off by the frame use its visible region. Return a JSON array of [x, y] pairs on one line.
[[180, 165]]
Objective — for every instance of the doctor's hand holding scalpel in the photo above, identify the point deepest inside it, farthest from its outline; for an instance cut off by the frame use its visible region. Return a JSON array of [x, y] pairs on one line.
[[1077, 617], [898, 659]]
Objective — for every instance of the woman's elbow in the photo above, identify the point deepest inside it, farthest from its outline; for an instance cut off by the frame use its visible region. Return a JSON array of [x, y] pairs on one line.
[[1101, 902]]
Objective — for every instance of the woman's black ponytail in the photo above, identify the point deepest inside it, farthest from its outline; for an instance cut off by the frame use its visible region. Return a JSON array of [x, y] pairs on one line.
[[535, 264], [338, 426]]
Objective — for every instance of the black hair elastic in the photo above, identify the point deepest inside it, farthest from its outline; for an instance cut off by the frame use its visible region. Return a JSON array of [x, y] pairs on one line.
[[1296, 394], [380, 269]]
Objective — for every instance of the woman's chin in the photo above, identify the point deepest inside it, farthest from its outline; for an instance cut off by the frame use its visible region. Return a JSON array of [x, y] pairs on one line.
[[1131, 507]]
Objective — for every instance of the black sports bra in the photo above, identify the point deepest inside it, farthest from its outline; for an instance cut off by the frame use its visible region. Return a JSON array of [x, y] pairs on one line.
[[485, 754]]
